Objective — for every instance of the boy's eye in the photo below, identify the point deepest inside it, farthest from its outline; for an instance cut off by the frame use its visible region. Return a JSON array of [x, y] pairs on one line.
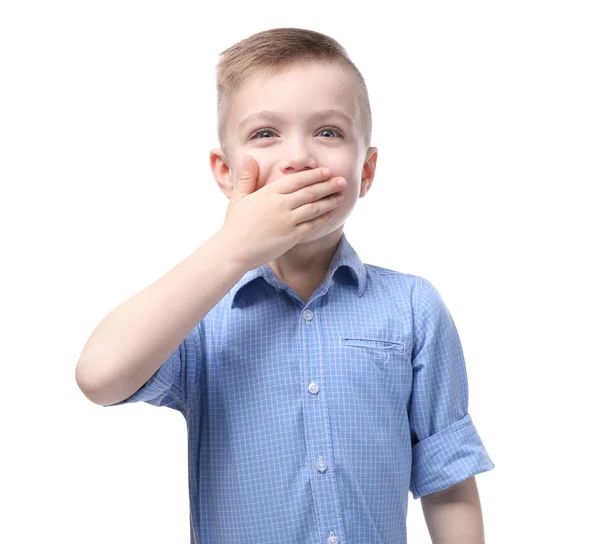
[[333, 130], [257, 134]]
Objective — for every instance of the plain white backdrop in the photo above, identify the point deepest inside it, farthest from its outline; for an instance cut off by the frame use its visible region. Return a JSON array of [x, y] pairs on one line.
[[486, 116]]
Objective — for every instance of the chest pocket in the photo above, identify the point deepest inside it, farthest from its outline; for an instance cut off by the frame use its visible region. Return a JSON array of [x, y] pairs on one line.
[[372, 343], [377, 354]]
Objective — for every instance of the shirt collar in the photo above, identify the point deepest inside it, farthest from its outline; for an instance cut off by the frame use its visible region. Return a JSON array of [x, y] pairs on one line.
[[344, 256]]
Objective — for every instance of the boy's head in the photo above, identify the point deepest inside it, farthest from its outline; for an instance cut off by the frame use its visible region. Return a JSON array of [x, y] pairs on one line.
[[293, 73]]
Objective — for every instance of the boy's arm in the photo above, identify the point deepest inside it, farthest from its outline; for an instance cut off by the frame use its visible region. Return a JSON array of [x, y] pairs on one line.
[[453, 515], [132, 342]]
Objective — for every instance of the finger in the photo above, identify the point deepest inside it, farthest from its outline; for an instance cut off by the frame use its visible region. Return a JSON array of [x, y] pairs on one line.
[[315, 192], [312, 210], [293, 182]]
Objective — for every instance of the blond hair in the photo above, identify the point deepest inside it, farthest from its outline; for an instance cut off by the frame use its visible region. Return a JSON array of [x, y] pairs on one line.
[[271, 51]]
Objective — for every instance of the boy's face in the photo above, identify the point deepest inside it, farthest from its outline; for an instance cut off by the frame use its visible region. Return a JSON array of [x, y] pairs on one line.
[[297, 140]]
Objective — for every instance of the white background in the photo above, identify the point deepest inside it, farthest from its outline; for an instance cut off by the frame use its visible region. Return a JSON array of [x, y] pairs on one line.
[[487, 120]]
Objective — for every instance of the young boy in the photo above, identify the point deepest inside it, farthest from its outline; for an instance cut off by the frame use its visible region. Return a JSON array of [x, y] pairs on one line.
[[317, 390]]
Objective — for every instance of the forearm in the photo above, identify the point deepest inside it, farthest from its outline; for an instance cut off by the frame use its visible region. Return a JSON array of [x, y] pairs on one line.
[[132, 342], [454, 516]]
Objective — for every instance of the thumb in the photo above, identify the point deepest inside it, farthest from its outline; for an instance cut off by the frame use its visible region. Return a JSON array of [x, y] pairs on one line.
[[247, 179]]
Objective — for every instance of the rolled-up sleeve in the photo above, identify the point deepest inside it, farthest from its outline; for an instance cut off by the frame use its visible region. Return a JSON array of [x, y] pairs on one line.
[[446, 448]]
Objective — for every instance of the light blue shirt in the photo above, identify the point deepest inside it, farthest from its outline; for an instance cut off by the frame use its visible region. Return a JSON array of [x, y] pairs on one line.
[[311, 422]]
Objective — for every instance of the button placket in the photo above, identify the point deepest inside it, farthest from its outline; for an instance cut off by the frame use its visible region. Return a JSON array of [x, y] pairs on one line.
[[318, 443]]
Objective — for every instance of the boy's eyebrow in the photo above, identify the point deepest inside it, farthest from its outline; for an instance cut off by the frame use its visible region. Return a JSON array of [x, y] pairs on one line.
[[274, 116]]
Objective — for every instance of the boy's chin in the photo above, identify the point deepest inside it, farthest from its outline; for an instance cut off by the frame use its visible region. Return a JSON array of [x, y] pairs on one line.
[[324, 231]]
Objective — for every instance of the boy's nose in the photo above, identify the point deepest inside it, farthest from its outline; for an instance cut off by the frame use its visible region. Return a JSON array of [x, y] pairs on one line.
[[297, 163], [288, 170], [297, 157]]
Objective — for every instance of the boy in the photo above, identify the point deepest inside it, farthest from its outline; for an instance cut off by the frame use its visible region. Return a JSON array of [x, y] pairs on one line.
[[317, 390]]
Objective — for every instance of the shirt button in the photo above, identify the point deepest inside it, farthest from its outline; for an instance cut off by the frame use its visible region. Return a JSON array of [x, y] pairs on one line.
[[321, 465], [308, 315], [332, 538], [313, 388]]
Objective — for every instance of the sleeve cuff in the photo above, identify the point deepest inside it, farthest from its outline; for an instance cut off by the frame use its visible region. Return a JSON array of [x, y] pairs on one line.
[[447, 458], [153, 388]]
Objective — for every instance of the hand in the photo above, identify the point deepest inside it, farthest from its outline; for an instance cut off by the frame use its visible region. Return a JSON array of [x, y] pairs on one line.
[[264, 224]]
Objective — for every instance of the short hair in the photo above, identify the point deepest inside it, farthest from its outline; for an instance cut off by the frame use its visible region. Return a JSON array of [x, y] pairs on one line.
[[271, 51]]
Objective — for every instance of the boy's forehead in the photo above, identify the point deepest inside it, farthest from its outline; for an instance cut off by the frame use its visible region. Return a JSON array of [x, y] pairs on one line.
[[314, 115], [310, 90]]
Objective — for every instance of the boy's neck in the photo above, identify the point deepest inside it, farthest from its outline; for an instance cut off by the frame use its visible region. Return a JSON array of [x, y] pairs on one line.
[[304, 266]]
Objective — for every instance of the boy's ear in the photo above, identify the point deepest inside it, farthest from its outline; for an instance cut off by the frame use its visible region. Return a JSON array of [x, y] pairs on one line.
[[368, 171], [221, 171]]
